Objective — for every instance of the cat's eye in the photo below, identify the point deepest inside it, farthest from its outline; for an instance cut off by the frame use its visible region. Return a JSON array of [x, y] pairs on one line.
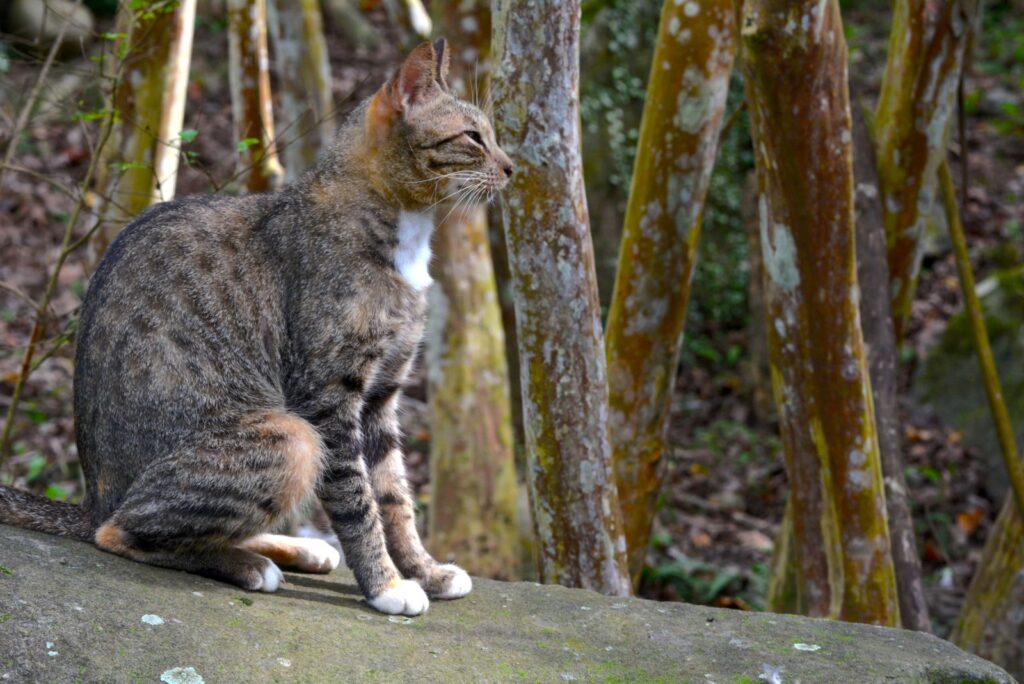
[[475, 137]]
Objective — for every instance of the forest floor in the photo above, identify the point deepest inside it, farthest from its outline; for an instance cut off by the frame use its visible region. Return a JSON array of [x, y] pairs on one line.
[[726, 485]]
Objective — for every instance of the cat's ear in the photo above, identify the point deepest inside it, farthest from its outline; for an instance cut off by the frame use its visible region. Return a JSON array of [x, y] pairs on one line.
[[416, 80], [442, 58]]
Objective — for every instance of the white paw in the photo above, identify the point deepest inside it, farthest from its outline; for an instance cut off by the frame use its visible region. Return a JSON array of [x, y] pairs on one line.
[[272, 578], [316, 555], [458, 586], [405, 598]]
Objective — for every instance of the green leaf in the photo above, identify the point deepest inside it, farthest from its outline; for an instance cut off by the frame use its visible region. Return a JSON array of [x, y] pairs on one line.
[[243, 145], [57, 493], [35, 468], [188, 135], [6, 571]]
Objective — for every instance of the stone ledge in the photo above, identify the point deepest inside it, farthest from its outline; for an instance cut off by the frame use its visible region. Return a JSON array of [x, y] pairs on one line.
[[71, 613]]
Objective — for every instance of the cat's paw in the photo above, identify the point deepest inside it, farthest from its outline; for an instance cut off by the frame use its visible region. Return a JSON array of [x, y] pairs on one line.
[[405, 597], [455, 582], [270, 578], [316, 556]]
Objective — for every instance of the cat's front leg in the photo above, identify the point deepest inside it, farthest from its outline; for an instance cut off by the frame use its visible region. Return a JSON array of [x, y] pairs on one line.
[[350, 503], [391, 490]]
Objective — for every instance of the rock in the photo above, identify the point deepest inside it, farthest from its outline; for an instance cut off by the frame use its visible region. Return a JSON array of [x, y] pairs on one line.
[[41, 21], [950, 379], [69, 612]]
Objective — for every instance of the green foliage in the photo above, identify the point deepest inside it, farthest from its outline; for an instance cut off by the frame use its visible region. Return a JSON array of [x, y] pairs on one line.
[[618, 43], [243, 145]]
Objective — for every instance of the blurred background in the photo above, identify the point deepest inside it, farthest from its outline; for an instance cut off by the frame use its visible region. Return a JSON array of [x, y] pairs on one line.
[[720, 511]]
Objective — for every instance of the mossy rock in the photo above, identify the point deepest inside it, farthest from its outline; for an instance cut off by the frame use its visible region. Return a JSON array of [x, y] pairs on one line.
[[71, 613], [950, 379]]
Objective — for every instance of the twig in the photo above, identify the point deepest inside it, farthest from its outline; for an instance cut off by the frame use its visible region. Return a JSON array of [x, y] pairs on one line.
[[19, 293], [51, 285], [1000, 416], [30, 103]]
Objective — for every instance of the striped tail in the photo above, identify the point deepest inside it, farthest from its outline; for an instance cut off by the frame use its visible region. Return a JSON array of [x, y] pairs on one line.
[[31, 512]]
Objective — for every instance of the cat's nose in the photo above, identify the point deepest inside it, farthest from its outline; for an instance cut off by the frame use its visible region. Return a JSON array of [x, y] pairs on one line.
[[507, 168]]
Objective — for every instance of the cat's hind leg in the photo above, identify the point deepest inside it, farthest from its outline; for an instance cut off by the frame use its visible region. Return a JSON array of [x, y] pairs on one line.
[[196, 509], [302, 554]]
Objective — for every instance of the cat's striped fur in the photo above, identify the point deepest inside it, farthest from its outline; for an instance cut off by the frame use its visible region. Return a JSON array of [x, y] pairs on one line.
[[239, 355]]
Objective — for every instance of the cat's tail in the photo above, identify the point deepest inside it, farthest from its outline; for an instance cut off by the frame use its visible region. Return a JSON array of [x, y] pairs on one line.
[[31, 512]]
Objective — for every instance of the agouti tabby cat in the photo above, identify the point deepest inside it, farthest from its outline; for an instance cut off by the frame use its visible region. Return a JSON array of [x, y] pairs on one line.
[[237, 356]]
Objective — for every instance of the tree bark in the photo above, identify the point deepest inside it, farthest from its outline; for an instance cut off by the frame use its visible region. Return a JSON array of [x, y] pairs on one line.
[[140, 163], [472, 469], [991, 622], [304, 75], [676, 152], [915, 108], [880, 343], [251, 108], [796, 74], [576, 512]]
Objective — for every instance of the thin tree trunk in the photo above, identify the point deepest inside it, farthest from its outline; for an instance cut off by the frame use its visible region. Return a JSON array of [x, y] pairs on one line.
[[576, 512], [676, 152], [915, 108], [304, 75], [248, 63], [991, 621], [472, 469], [795, 67], [140, 165], [880, 342]]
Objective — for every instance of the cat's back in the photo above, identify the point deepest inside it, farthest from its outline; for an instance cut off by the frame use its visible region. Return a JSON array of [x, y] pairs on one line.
[[180, 323]]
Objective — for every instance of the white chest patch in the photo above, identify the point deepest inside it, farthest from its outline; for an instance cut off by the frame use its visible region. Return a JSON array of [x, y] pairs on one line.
[[412, 256]]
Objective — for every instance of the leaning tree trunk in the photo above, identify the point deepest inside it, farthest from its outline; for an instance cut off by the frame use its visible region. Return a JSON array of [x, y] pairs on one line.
[[304, 75], [576, 512], [686, 97], [915, 108], [248, 65], [795, 67], [472, 469], [991, 621], [140, 164], [880, 338]]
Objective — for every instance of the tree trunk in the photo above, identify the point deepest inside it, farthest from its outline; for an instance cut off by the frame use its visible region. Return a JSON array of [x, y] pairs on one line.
[[675, 155], [140, 164], [880, 342], [915, 108], [991, 622], [304, 75], [251, 109], [472, 470], [576, 512], [795, 67]]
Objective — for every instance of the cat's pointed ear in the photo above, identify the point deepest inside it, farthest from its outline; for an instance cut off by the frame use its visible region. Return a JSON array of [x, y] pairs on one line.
[[416, 80], [442, 60]]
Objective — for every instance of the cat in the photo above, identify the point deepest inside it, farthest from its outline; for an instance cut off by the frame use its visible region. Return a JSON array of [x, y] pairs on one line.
[[239, 355]]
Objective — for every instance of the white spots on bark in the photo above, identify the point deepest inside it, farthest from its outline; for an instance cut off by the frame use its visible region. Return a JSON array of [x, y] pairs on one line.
[[778, 249]]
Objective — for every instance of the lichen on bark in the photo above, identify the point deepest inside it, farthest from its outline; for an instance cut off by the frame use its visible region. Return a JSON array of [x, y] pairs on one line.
[[577, 520], [915, 108], [686, 94], [794, 58]]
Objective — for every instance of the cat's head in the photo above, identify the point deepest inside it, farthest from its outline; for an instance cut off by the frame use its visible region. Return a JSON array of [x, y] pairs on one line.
[[426, 143]]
